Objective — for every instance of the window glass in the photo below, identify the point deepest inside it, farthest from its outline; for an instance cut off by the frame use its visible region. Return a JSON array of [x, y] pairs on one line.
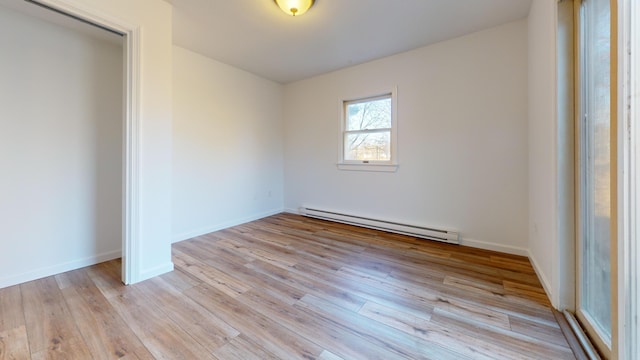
[[369, 146], [595, 167], [374, 114], [368, 130]]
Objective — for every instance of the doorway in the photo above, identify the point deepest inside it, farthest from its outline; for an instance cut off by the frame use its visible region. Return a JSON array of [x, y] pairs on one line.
[[73, 197]]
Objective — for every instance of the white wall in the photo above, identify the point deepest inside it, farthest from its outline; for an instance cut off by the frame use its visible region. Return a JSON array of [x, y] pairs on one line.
[[227, 146], [153, 19], [462, 130], [543, 146], [60, 148], [566, 258]]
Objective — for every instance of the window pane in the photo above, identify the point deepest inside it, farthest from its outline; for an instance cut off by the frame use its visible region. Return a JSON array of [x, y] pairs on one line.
[[368, 146], [369, 115], [595, 166]]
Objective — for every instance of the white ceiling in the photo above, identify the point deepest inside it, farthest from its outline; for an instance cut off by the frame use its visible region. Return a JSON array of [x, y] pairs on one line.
[[256, 36]]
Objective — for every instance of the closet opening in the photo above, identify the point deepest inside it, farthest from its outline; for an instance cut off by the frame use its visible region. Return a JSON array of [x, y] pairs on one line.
[[69, 139]]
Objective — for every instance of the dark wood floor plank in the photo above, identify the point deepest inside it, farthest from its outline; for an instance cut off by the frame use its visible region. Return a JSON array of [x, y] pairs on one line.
[[516, 343], [251, 322], [262, 237], [531, 308], [526, 290], [162, 337], [468, 283], [14, 344], [286, 293], [11, 310], [546, 333], [247, 248], [346, 292], [325, 334], [409, 322], [241, 348], [405, 347], [225, 282], [328, 355], [107, 278], [438, 300], [71, 348], [49, 323], [205, 249], [291, 287], [107, 336], [181, 280], [310, 284], [205, 327], [441, 337]]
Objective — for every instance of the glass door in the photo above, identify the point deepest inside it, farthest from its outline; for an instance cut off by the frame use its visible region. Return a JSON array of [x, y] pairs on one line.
[[594, 198]]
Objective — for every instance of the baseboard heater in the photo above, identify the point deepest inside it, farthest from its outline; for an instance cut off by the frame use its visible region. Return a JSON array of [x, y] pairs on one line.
[[447, 236]]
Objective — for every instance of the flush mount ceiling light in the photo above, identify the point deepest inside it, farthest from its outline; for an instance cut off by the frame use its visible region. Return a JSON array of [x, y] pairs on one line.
[[295, 7]]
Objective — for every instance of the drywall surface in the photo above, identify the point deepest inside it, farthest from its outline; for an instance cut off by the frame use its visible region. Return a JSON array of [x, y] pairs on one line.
[[152, 223], [462, 139], [543, 174], [227, 146], [61, 131], [565, 163]]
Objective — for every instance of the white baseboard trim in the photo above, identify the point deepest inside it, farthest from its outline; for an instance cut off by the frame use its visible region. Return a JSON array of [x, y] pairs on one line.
[[227, 224], [57, 269], [546, 285], [155, 271], [486, 245], [508, 249]]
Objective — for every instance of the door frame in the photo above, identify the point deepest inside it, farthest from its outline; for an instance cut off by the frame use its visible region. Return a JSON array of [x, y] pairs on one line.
[[628, 106], [131, 259]]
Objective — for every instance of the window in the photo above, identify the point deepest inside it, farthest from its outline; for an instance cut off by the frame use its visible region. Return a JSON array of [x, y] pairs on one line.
[[595, 168], [368, 133]]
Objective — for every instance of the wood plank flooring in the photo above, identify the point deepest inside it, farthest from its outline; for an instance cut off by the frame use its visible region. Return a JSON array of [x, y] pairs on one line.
[[288, 287]]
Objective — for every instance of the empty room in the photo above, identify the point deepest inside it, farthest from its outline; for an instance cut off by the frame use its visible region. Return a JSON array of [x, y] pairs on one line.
[[319, 179]]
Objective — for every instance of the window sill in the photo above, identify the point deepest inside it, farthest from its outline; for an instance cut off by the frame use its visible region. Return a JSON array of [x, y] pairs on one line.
[[369, 167]]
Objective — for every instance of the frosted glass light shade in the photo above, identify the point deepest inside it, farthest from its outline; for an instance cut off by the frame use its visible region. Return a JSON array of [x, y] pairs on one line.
[[295, 7]]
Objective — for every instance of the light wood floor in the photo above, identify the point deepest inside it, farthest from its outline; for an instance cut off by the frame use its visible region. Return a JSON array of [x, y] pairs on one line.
[[288, 287]]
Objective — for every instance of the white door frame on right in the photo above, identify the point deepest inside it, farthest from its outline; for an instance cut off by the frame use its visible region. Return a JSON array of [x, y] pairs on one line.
[[628, 106]]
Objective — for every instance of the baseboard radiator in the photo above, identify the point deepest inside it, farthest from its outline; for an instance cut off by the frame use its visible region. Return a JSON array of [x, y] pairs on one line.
[[447, 236]]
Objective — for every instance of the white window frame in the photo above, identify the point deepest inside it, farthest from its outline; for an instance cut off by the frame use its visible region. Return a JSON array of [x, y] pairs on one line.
[[370, 165]]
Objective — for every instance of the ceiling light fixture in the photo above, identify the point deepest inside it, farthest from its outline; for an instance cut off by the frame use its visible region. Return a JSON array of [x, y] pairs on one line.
[[295, 7]]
